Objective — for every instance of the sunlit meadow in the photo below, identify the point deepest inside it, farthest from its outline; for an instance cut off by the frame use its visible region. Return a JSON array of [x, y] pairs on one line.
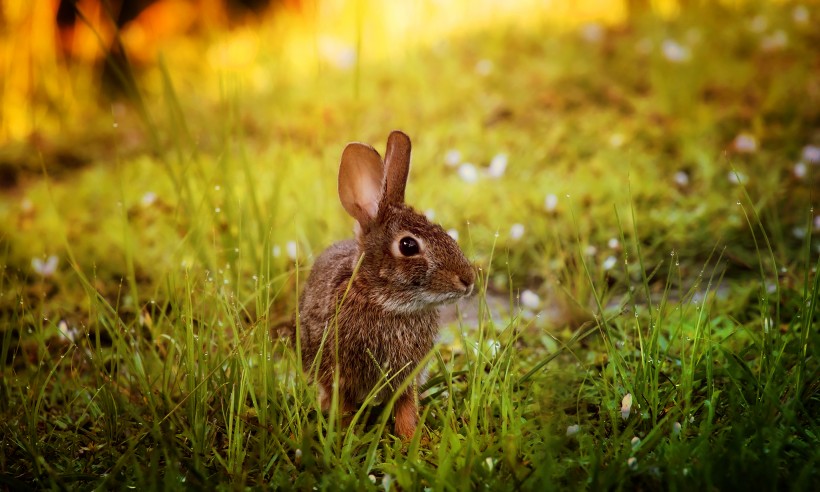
[[636, 182]]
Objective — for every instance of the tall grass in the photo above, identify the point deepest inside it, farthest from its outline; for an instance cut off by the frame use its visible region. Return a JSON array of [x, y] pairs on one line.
[[166, 364]]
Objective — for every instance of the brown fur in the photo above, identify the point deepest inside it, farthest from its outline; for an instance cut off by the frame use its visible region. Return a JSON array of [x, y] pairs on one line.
[[388, 320]]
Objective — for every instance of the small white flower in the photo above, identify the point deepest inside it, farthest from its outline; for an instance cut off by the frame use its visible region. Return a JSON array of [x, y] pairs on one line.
[[551, 202], [372, 478], [484, 67], [610, 262], [635, 441], [681, 179], [592, 32], [489, 463], [676, 428], [775, 41], [616, 140], [632, 463], [453, 234], [811, 154], [530, 299], [298, 453], [276, 251], [497, 166], [675, 52], [626, 406], [45, 268], [800, 15], [745, 143], [516, 231], [387, 480], [758, 24], [337, 52], [737, 177], [430, 214], [452, 157], [71, 334], [292, 249], [799, 170], [590, 250], [799, 232], [468, 173], [148, 199], [572, 430], [613, 243]]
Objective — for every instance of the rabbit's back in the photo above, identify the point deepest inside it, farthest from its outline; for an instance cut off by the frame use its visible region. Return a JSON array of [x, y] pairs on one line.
[[328, 278]]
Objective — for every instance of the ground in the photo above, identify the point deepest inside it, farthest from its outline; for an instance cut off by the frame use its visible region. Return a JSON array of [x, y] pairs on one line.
[[639, 196]]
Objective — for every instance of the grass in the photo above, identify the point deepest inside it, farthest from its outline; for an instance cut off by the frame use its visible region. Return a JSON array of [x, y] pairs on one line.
[[151, 357]]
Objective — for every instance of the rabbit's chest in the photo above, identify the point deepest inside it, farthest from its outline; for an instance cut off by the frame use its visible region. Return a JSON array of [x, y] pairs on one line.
[[396, 344]]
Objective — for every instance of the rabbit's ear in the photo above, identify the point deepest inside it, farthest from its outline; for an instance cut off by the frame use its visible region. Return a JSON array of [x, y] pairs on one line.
[[397, 167], [360, 182]]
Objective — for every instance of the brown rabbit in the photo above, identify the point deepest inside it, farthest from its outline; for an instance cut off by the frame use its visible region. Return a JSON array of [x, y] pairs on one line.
[[384, 324]]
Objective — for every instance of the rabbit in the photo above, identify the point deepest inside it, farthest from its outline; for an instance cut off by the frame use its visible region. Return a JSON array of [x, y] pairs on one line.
[[384, 321]]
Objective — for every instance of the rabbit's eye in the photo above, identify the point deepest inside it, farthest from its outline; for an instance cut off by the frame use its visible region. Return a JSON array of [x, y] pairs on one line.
[[408, 246]]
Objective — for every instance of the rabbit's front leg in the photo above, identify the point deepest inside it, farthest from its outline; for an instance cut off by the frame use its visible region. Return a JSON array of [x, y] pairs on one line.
[[406, 412]]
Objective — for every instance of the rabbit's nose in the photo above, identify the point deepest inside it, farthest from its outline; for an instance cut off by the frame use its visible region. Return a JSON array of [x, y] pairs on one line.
[[464, 282]]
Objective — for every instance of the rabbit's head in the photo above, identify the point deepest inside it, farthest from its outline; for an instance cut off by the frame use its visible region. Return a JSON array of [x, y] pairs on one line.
[[409, 264]]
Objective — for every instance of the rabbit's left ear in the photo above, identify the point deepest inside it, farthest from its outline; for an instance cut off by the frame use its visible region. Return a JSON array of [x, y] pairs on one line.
[[396, 169], [360, 182]]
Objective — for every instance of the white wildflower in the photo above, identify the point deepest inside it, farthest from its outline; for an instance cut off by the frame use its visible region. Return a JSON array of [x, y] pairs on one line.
[[758, 24], [681, 179], [675, 52], [799, 170], [590, 250], [800, 15], [572, 430], [610, 262], [676, 428], [737, 177], [774, 41], [276, 251], [745, 143], [484, 67], [45, 268], [148, 199], [292, 249], [497, 166], [453, 234], [592, 32], [632, 463], [516, 231], [799, 232], [613, 243], [811, 154], [430, 214], [70, 333], [489, 463], [530, 299], [635, 441], [626, 406], [337, 52], [551, 202], [468, 173], [452, 157]]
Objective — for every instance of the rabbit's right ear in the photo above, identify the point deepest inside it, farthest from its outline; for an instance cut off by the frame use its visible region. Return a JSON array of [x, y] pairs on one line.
[[360, 182]]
